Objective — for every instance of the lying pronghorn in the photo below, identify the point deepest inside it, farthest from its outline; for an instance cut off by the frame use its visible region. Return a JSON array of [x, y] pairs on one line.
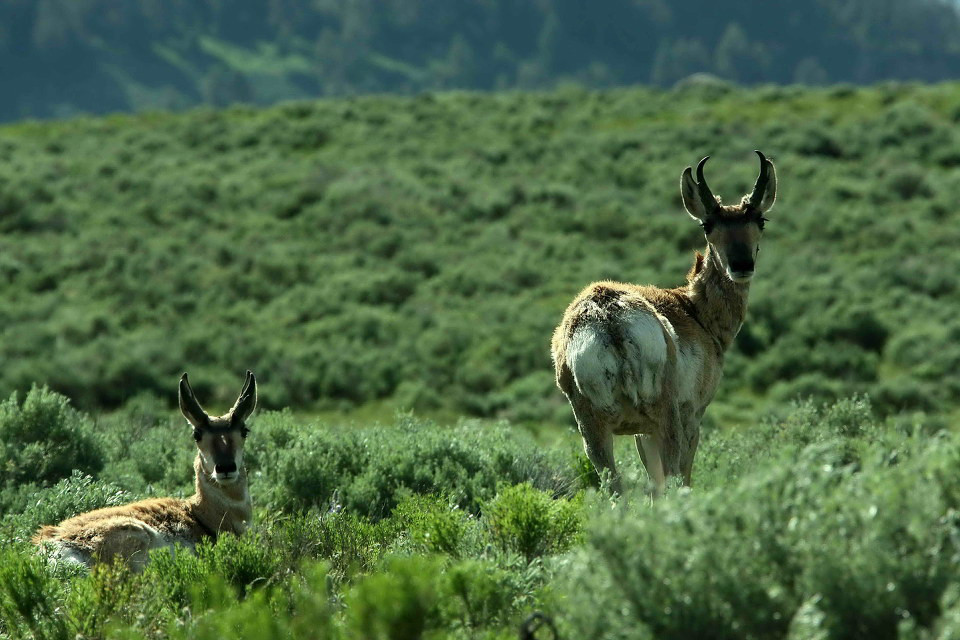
[[221, 502], [638, 360]]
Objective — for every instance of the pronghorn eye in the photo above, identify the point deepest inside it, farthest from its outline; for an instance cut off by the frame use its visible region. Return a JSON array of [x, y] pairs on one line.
[[243, 432], [707, 226], [197, 435]]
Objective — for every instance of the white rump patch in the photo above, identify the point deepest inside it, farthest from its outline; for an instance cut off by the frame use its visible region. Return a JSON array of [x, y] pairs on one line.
[[645, 355], [60, 552], [594, 365], [602, 373]]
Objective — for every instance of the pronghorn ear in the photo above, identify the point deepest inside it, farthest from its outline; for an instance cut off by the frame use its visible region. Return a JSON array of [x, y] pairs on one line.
[[189, 406], [247, 401], [689, 191]]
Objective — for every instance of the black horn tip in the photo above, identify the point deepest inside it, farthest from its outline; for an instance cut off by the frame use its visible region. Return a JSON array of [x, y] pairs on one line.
[[702, 162], [183, 378], [763, 158]]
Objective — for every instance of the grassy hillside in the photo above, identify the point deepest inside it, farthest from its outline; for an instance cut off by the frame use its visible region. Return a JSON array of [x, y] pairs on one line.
[[417, 252]]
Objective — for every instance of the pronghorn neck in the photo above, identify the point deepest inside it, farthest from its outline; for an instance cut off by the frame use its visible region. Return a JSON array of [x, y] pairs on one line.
[[720, 303], [221, 508]]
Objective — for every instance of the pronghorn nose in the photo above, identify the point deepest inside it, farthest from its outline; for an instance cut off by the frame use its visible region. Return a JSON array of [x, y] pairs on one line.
[[741, 266], [226, 468]]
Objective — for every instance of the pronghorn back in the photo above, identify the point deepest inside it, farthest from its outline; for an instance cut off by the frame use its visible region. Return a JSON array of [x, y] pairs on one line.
[[129, 532]]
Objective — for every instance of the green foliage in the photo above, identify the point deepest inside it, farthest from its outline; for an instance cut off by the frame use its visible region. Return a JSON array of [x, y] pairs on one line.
[[809, 538], [399, 603], [530, 522], [43, 439], [348, 543], [235, 564], [299, 610], [822, 521], [29, 598], [848, 426], [370, 470], [435, 525], [421, 597], [476, 594]]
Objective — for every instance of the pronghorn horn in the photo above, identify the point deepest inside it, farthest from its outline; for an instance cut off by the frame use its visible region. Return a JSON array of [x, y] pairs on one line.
[[761, 186], [189, 406], [247, 399], [706, 196]]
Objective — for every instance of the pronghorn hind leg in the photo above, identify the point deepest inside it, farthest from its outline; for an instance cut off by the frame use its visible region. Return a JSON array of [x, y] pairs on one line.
[[649, 447], [686, 463], [130, 540], [597, 441], [599, 448], [660, 451]]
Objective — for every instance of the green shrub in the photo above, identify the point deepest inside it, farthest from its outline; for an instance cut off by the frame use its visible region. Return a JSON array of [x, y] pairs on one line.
[[820, 521], [29, 598], [399, 603], [435, 525], [908, 183], [904, 394], [43, 439], [369, 471], [525, 520], [294, 609], [848, 425], [475, 594], [805, 540], [348, 543], [243, 562], [177, 575], [111, 597]]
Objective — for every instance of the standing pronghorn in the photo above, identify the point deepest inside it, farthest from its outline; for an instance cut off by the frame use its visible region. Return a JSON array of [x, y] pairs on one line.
[[643, 361], [221, 502]]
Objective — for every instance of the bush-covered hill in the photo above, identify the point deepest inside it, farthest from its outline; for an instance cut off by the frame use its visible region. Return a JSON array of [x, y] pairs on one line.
[[61, 57], [420, 250], [827, 523]]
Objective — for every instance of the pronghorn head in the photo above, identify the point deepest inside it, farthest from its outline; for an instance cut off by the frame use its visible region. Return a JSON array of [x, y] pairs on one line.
[[220, 439], [733, 232]]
